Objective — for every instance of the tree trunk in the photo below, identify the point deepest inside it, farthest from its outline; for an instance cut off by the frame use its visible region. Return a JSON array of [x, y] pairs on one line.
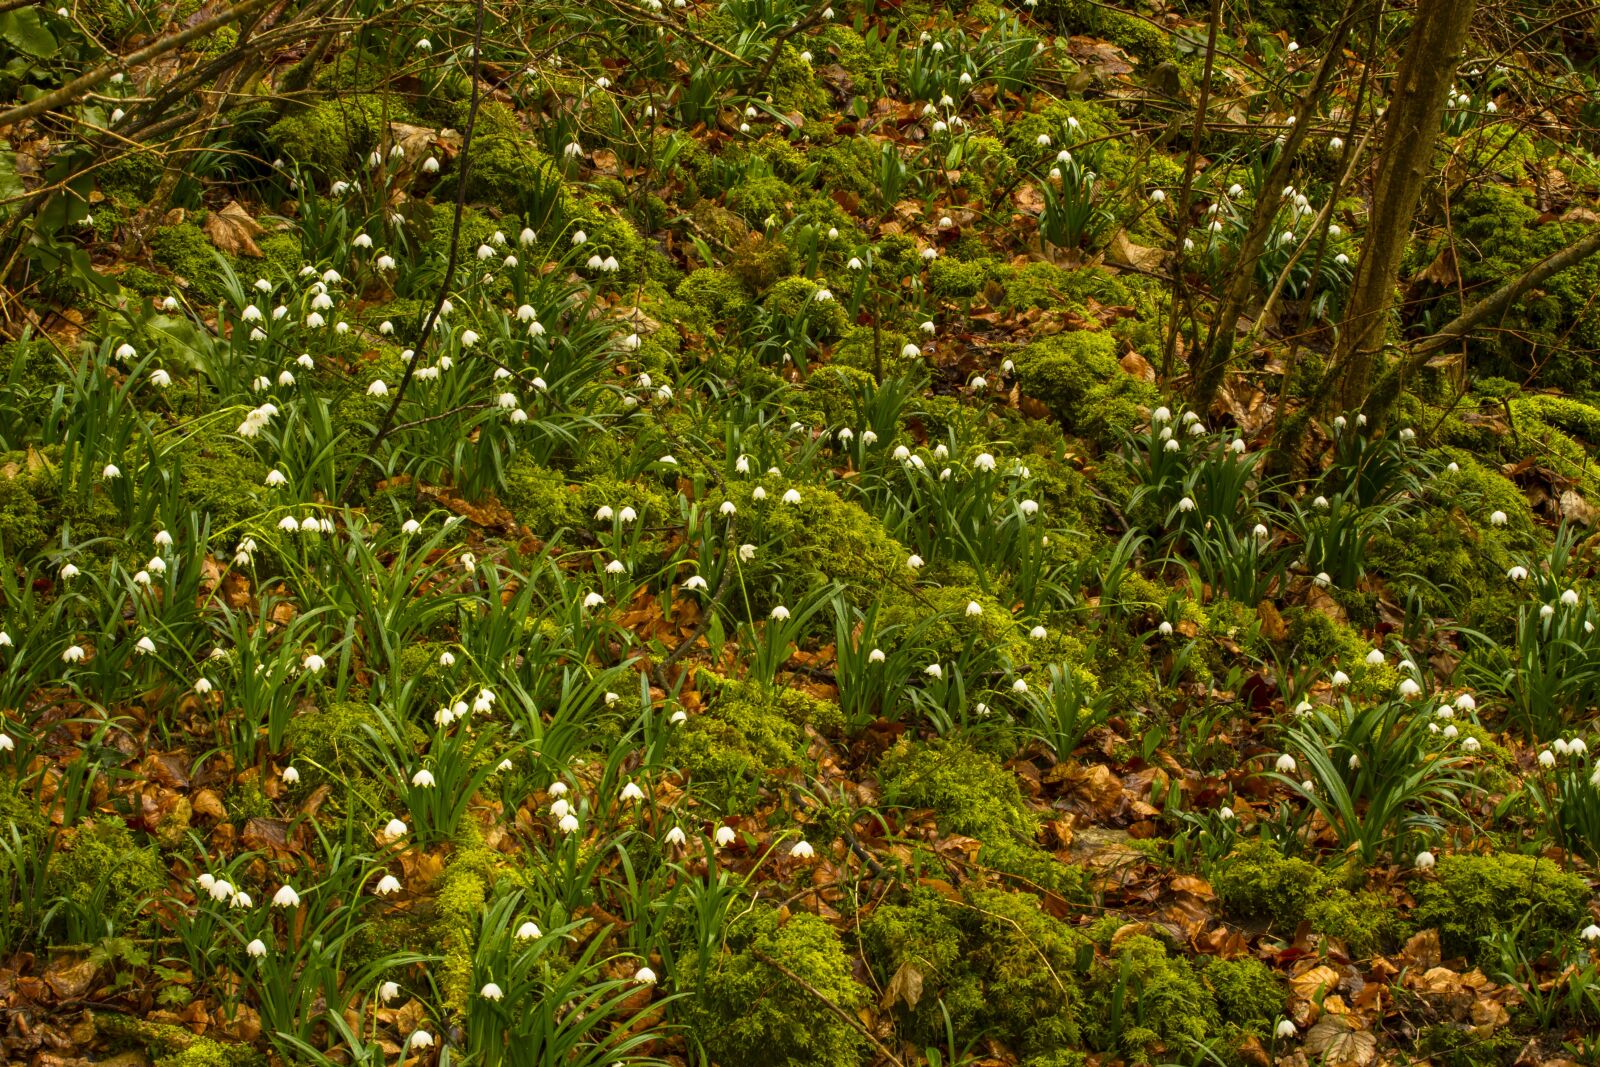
[[1405, 160]]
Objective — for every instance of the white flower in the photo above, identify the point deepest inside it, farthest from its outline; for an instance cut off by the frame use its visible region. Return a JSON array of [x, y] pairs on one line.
[[974, 608], [1165, 629], [1471, 744], [780, 613], [1038, 633], [110, 472], [983, 461], [1497, 518], [286, 897], [1322, 580], [377, 388], [933, 670], [1186, 504], [616, 566], [695, 582], [1517, 574], [644, 976], [1375, 658], [420, 1039], [725, 836], [1546, 610], [490, 991], [1570, 598], [1424, 861], [423, 779], [1591, 933], [876, 656], [291, 773], [1547, 759], [568, 823], [388, 885], [676, 836], [632, 792], [1409, 688], [256, 948], [313, 663], [1286, 764], [802, 850], [73, 654], [388, 991], [747, 553], [914, 562], [528, 931], [1225, 814]]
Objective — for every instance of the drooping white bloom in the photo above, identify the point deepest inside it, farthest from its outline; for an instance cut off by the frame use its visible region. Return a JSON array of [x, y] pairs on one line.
[[631, 792], [423, 779], [286, 897], [490, 991], [256, 948], [802, 850], [1425, 860], [1286, 764], [291, 775], [676, 836], [388, 885], [725, 836], [1497, 518]]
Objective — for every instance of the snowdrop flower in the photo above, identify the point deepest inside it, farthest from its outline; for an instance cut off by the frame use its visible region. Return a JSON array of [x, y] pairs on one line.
[[876, 656], [592, 601], [1225, 814], [728, 507], [631, 792], [528, 931], [288, 524], [1424, 861], [291, 775], [1546, 610], [984, 461], [725, 836], [313, 663], [1560, 746], [1497, 518], [1322, 580], [378, 388], [1517, 574], [1158, 196], [1186, 504], [914, 562], [631, 342], [73, 654], [644, 976], [1576, 747], [1409, 688], [802, 850], [388, 885], [1591, 933], [616, 566], [423, 779], [286, 897], [111, 472], [1165, 629], [822, 296], [1471, 744], [747, 553], [1286, 764], [1339, 679], [910, 351], [1375, 658]]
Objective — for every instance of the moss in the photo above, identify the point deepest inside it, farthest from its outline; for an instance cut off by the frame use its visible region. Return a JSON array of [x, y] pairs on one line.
[[1470, 897], [106, 874], [335, 136], [1318, 638], [957, 279], [717, 293], [756, 199], [822, 538], [174, 1046], [1029, 962], [794, 85], [794, 297], [746, 1014], [1145, 999], [539, 498], [930, 935], [743, 734], [24, 523], [184, 250], [975, 796], [1249, 994], [1079, 376], [329, 743], [1367, 922], [1257, 881], [463, 889], [220, 477]]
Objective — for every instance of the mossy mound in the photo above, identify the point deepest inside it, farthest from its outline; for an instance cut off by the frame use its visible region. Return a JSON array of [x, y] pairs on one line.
[[100, 870], [745, 1013], [1144, 999], [1081, 379], [1469, 898]]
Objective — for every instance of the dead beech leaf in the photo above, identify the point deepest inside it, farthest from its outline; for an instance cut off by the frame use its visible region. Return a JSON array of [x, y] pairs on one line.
[[1318, 980], [1576, 508], [1422, 952], [1123, 250], [233, 230], [904, 988], [1340, 1042]]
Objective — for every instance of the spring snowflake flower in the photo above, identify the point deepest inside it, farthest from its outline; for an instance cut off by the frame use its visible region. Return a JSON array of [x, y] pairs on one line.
[[631, 792], [747, 553], [1497, 518], [676, 836], [286, 897], [933, 670], [291, 775], [1547, 759], [1570, 598], [1409, 688], [1591, 933], [1286, 764], [984, 461], [256, 948], [1285, 1029], [1165, 629], [974, 608], [314, 663], [802, 850], [420, 1039], [528, 931], [725, 836], [1425, 860], [111, 472], [914, 562], [423, 779]]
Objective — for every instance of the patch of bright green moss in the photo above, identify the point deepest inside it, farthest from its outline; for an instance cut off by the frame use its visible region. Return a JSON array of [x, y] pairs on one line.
[[1080, 377], [1468, 898], [106, 874], [747, 1014], [1249, 994], [1144, 998]]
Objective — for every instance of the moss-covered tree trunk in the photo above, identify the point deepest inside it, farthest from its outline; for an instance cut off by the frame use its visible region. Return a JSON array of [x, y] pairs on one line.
[[1405, 160]]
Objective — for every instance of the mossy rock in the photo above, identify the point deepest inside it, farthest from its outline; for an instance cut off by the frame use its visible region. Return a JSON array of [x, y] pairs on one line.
[[1469, 898], [1256, 881], [1080, 377], [334, 137], [1031, 964], [25, 518], [743, 735], [174, 1046], [716, 293], [747, 1014], [796, 297]]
